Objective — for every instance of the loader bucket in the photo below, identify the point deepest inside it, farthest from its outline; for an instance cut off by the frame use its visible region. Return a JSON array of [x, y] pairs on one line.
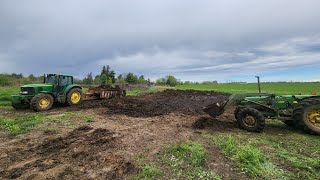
[[213, 110]]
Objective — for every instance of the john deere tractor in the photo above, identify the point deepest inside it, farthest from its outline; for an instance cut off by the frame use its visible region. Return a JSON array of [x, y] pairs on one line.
[[61, 89], [299, 111], [41, 97]]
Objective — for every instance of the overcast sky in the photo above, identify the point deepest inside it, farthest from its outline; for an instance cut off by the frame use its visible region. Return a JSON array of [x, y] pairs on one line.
[[224, 40]]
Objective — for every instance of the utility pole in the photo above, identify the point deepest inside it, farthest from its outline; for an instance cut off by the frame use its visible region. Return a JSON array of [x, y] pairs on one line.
[[259, 83]]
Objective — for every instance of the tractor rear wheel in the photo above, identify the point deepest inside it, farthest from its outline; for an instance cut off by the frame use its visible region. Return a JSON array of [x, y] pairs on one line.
[[41, 102], [250, 119], [74, 96], [307, 116]]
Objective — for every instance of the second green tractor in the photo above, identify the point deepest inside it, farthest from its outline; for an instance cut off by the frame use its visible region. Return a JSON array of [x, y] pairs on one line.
[[251, 110]]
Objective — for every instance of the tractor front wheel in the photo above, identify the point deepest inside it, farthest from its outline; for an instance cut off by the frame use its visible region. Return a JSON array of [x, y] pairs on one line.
[[307, 116], [250, 119], [41, 102], [74, 96]]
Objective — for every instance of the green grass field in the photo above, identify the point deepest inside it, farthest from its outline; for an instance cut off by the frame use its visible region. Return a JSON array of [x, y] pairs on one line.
[[274, 88], [5, 95]]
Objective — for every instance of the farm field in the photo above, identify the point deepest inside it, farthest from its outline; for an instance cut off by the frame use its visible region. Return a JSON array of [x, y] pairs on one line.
[[273, 88], [161, 135]]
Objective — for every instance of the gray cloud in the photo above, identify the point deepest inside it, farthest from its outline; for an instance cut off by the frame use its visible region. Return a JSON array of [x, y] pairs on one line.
[[193, 40]]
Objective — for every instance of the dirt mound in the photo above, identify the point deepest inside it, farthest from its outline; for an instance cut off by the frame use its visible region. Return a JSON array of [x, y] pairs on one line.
[[214, 124], [188, 102], [84, 152]]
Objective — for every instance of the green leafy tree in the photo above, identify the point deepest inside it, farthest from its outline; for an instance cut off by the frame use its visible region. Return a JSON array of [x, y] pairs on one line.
[[112, 76], [103, 79], [89, 79], [148, 81], [103, 71], [131, 78], [141, 80], [171, 80], [161, 82], [97, 80], [120, 79]]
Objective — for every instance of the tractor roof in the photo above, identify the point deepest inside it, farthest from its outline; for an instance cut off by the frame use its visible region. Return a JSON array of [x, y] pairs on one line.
[[58, 75]]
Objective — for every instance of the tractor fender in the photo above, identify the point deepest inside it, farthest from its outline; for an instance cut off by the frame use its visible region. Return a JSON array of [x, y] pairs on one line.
[[63, 96], [69, 87], [48, 92]]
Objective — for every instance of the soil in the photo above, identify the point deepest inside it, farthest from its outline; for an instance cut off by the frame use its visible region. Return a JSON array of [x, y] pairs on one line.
[[123, 128], [160, 103]]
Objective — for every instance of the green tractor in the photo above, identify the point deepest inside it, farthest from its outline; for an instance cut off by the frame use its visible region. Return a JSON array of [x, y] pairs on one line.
[[60, 89], [41, 97], [299, 111]]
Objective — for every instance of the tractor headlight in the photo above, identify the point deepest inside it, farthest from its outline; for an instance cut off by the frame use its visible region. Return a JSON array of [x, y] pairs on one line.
[[24, 92]]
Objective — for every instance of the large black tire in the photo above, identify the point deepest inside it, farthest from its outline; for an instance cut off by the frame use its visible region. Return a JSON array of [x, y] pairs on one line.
[[302, 118], [236, 112], [37, 102], [71, 94], [250, 119]]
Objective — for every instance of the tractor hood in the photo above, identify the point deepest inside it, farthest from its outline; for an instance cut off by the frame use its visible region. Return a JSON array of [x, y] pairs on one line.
[[38, 85], [37, 88]]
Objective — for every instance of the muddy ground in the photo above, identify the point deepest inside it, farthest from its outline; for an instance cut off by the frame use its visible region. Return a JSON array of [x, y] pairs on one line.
[[122, 129]]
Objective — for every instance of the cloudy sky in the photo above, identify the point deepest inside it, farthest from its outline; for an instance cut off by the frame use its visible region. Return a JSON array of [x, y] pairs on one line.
[[224, 40]]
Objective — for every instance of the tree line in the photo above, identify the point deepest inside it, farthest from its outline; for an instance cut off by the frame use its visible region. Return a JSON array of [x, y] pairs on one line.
[[106, 76]]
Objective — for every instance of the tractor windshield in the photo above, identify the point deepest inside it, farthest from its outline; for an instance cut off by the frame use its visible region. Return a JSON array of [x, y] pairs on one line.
[[52, 79]]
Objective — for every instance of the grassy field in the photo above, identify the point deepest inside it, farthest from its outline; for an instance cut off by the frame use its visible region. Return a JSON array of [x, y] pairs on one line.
[[275, 88], [279, 152], [5, 95]]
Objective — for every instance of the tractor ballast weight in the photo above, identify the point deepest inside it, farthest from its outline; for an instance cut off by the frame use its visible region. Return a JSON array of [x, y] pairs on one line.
[[60, 89], [251, 110]]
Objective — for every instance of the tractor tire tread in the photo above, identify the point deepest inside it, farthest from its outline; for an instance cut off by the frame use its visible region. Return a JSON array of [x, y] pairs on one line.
[[298, 115], [69, 102], [34, 104], [260, 119]]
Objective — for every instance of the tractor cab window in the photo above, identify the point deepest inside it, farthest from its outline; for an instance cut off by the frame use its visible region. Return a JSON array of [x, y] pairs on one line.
[[52, 79], [65, 80]]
